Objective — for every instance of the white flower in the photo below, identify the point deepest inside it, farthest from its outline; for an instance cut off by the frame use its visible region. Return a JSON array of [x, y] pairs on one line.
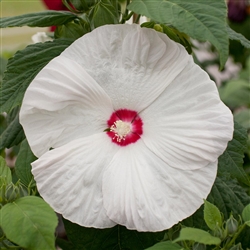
[[136, 129], [41, 37]]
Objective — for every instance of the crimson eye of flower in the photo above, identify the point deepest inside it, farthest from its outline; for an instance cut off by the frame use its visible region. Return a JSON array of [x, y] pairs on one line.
[[164, 129], [125, 127]]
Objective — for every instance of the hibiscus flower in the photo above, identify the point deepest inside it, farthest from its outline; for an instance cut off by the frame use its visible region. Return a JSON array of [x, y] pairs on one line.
[[135, 128]]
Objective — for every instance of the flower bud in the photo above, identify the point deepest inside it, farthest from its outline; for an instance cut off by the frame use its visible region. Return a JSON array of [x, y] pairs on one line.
[[231, 225], [23, 191], [158, 27], [199, 246], [11, 193]]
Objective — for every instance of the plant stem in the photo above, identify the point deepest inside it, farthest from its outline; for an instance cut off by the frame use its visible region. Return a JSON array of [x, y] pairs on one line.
[[185, 244]]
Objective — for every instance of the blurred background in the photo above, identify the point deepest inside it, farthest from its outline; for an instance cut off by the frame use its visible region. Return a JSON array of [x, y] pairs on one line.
[[13, 39]]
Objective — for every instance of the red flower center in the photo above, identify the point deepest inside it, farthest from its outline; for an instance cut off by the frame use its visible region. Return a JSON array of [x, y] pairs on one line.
[[125, 127]]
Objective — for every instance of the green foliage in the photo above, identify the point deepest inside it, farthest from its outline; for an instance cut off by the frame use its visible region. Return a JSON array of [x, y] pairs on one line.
[[23, 67], [203, 20], [236, 48], [79, 5], [29, 229], [246, 215], [230, 162], [3, 64], [172, 33], [224, 233], [5, 173], [40, 19], [228, 196], [166, 245], [236, 93], [212, 216], [197, 235], [115, 238], [238, 37], [13, 134], [72, 30], [103, 13], [243, 118], [22, 166]]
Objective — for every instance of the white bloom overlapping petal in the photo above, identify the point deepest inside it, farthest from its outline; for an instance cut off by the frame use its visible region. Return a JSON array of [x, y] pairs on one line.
[[150, 183]]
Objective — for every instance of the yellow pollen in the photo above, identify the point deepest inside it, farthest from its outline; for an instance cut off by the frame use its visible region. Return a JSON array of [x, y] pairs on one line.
[[121, 129]]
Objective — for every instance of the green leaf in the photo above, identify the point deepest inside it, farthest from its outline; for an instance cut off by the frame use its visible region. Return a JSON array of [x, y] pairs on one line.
[[166, 245], [64, 244], [230, 162], [197, 235], [12, 135], [115, 238], [30, 223], [239, 37], [3, 64], [5, 171], [204, 20], [22, 69], [38, 19], [103, 13], [235, 93], [79, 5], [228, 196], [23, 164], [3, 125], [212, 216], [246, 215], [72, 30]]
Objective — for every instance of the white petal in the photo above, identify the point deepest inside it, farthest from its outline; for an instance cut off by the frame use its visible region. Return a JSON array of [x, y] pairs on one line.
[[69, 178], [140, 62], [63, 103], [188, 126], [142, 192]]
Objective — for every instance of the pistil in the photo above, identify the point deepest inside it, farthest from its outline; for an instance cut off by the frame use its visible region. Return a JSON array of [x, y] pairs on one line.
[[121, 129], [124, 127]]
